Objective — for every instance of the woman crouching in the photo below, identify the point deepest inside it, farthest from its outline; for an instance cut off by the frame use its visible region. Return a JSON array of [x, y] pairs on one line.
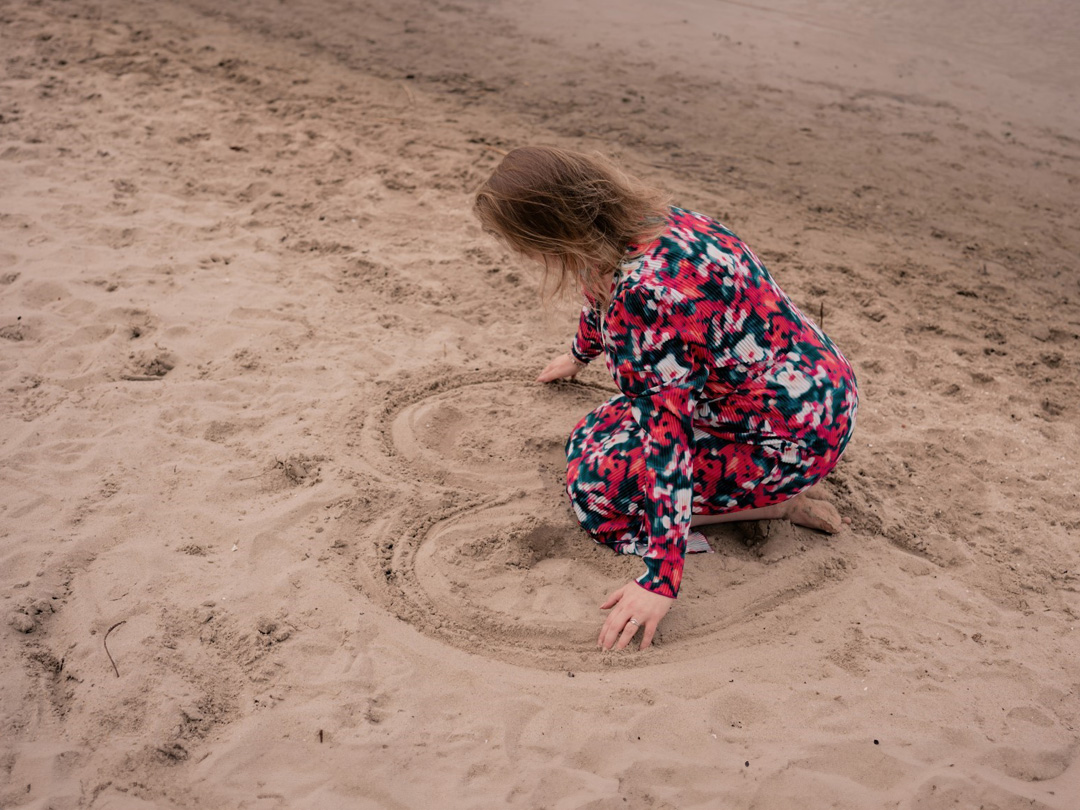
[[733, 402]]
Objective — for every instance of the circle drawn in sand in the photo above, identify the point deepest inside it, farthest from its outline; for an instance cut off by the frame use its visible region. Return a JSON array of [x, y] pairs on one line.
[[484, 553], [476, 431], [503, 565], [520, 582]]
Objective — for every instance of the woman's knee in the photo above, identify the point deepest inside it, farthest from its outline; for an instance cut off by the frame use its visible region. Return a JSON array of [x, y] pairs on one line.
[[599, 456], [574, 485]]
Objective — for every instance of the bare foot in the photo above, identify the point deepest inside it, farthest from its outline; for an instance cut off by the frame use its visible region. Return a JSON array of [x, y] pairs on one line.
[[816, 492], [813, 513]]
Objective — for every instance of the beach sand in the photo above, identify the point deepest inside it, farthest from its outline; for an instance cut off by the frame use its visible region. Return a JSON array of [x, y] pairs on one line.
[[269, 425]]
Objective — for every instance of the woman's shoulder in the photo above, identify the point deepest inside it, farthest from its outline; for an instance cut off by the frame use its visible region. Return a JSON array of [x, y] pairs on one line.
[[700, 250], [698, 231], [693, 266], [683, 255], [687, 237]]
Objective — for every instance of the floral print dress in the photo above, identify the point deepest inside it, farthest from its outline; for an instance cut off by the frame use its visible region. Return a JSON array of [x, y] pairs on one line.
[[731, 397]]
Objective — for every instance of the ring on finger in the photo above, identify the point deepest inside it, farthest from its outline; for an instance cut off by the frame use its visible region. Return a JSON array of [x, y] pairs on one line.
[[635, 622]]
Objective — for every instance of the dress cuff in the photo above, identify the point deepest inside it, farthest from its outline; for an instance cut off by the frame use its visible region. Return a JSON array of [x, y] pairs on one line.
[[577, 355], [662, 578]]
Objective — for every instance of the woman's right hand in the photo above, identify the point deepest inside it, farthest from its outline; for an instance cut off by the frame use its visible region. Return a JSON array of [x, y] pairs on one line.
[[562, 367]]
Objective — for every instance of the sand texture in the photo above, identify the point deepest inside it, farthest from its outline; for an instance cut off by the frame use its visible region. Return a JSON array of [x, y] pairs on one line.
[[269, 422]]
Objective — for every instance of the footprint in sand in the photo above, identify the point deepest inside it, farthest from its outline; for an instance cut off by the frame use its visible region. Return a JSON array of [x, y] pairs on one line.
[[150, 365]]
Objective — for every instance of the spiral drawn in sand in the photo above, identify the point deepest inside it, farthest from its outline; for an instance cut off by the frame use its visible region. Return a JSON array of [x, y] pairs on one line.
[[481, 549]]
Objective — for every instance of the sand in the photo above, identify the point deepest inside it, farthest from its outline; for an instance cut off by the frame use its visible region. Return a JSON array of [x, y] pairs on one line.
[[269, 425]]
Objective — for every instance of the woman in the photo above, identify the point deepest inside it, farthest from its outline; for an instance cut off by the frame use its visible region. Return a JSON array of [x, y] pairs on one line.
[[733, 402]]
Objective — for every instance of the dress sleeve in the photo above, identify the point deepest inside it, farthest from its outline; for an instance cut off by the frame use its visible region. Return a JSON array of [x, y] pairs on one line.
[[655, 369], [588, 342]]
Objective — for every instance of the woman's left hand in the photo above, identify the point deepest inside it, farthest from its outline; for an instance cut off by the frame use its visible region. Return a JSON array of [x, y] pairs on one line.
[[632, 601]]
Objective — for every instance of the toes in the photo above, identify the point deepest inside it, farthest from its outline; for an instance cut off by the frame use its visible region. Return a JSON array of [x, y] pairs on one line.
[[818, 515], [830, 520]]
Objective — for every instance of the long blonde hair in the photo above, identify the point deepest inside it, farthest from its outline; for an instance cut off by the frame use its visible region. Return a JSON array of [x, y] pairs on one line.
[[577, 212]]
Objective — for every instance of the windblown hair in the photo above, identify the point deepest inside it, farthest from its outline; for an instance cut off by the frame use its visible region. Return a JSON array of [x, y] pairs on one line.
[[576, 212]]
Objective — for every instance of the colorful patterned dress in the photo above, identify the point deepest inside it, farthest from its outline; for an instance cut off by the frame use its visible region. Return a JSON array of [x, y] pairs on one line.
[[731, 397]]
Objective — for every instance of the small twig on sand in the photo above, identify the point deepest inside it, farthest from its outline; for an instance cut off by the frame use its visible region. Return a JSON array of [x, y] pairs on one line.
[[278, 465], [408, 92], [140, 377], [105, 643], [495, 149], [821, 315]]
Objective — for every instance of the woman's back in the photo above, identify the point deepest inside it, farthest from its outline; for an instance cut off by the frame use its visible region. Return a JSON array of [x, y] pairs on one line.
[[697, 298]]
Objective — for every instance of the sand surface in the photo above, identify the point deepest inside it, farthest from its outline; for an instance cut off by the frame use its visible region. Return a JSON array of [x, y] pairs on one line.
[[269, 426]]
